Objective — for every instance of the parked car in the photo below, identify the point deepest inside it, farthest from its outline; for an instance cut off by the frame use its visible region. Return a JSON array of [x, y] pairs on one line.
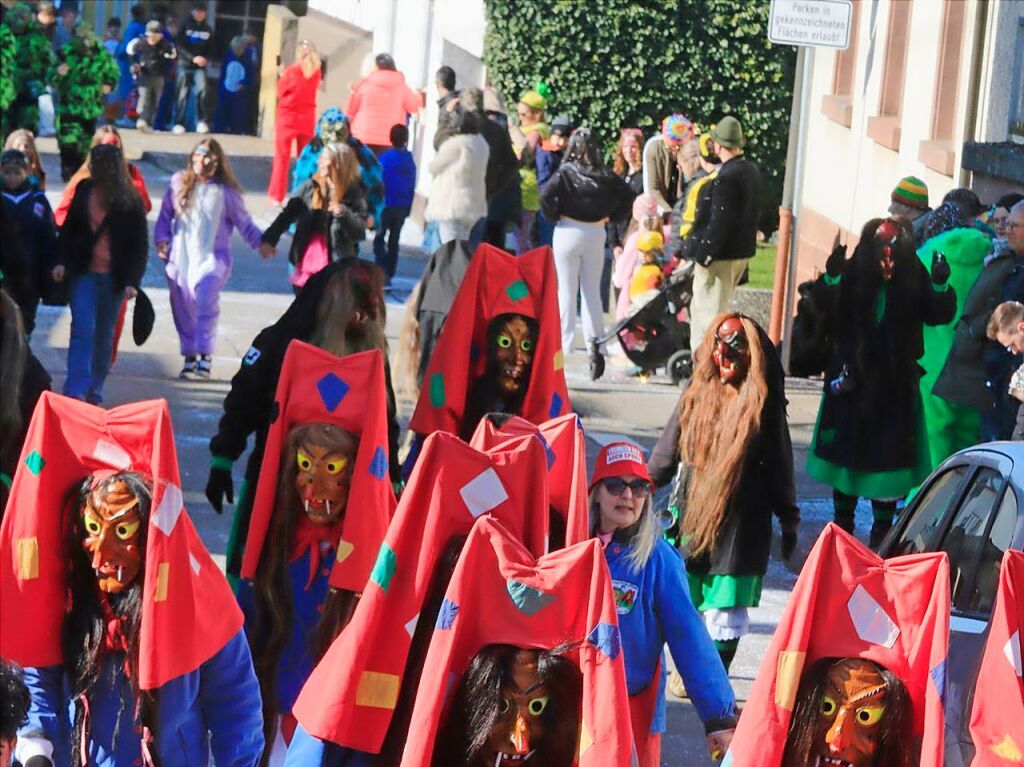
[[971, 507]]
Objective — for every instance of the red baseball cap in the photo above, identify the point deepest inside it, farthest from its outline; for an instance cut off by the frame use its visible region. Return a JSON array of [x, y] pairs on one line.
[[617, 459]]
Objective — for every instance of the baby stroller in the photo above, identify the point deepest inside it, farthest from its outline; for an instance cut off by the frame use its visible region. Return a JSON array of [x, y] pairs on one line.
[[658, 334]]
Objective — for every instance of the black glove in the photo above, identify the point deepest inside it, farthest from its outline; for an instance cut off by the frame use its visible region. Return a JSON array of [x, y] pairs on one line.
[[788, 543], [940, 268], [836, 261], [218, 487]]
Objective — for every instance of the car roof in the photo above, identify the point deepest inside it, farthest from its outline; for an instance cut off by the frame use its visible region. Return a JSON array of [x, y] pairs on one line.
[[1011, 450]]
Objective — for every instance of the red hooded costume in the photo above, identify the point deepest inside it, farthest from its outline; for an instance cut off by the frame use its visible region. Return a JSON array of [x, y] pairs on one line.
[[351, 695], [68, 440], [849, 603], [566, 450], [997, 721], [501, 594], [495, 283], [349, 392]]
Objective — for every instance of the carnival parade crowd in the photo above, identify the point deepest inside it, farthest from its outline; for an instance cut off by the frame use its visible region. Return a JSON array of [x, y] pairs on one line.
[[464, 590]]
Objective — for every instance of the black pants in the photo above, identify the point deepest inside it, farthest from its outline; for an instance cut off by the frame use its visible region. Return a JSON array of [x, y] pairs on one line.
[[385, 243]]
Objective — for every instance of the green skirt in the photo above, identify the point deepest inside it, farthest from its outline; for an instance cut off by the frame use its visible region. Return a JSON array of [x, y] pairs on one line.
[[895, 483], [722, 592]]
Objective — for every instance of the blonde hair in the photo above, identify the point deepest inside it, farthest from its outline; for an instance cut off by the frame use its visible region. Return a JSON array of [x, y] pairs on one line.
[[645, 537], [1005, 318], [718, 422], [342, 172], [35, 167], [307, 57]]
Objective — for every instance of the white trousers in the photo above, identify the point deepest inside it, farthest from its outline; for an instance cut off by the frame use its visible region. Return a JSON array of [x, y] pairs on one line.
[[579, 259], [453, 229]]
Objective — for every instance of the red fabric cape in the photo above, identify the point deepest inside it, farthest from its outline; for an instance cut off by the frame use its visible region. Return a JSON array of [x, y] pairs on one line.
[[68, 440], [566, 450], [350, 697], [500, 594], [495, 283], [350, 392], [848, 602], [997, 720]]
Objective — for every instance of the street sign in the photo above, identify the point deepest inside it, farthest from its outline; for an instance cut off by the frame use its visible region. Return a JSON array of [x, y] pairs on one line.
[[811, 23]]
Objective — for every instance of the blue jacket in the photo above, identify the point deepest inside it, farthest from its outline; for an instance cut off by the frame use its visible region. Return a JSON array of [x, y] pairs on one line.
[[398, 171], [296, 662], [214, 710], [547, 162], [654, 608], [308, 751]]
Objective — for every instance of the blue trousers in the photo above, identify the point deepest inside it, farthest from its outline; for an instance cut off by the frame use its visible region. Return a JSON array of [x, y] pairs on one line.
[[94, 309], [385, 243]]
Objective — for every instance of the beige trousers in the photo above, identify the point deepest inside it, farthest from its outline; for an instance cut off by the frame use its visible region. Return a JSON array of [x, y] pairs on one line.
[[713, 287]]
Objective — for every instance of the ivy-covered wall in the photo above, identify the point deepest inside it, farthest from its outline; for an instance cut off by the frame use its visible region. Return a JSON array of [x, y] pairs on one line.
[[617, 63]]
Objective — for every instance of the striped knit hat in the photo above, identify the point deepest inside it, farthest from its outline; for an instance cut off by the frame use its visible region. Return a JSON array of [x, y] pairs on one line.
[[911, 191]]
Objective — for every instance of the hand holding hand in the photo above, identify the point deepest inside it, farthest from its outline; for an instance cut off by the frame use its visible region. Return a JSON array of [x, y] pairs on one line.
[[940, 268], [57, 274], [199, 61], [267, 250], [334, 208], [218, 487], [718, 743], [836, 261], [163, 250]]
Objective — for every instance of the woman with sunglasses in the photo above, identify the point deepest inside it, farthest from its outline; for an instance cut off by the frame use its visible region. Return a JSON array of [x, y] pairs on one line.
[[654, 607]]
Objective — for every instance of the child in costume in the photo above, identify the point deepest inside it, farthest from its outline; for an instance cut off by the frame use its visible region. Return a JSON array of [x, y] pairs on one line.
[[730, 438], [870, 438], [644, 219], [201, 206], [25, 70], [131, 642], [235, 93], [856, 671], [653, 604], [322, 508], [526, 139], [329, 213], [647, 276], [83, 76]]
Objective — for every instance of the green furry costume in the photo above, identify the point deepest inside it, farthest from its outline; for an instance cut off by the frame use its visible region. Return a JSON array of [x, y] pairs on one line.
[[91, 73], [8, 90], [950, 427], [25, 63]]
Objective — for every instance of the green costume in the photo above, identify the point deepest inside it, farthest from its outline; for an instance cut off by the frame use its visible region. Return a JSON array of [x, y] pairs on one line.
[[950, 427], [91, 73], [8, 89], [30, 58]]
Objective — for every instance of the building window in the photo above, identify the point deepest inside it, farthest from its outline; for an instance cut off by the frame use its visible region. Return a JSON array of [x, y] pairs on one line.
[[838, 105], [939, 152], [1016, 127], [884, 128]]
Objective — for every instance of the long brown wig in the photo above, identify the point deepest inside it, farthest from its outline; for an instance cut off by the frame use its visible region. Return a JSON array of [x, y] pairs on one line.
[[84, 630], [350, 316], [273, 615], [718, 422], [224, 174], [13, 352]]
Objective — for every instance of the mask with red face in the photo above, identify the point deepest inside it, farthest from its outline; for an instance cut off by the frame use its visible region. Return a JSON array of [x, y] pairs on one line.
[[852, 709], [324, 456], [112, 533], [731, 352]]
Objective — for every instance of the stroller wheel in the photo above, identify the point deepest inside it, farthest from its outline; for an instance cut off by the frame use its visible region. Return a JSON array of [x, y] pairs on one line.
[[680, 366]]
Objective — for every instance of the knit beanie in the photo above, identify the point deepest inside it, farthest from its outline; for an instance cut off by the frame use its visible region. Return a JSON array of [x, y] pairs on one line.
[[644, 206], [649, 240], [676, 129], [911, 191]]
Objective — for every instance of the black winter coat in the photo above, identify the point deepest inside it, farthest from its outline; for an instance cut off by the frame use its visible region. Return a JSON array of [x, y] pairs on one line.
[[872, 424], [618, 229], [29, 249], [766, 486], [249, 405], [731, 229], [584, 195], [342, 233], [129, 238], [34, 381], [438, 286]]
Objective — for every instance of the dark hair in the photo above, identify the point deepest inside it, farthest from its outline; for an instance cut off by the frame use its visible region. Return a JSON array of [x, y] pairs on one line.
[[462, 121], [384, 61], [895, 748], [84, 629], [399, 135], [14, 157], [199, 5], [584, 150], [14, 700], [446, 78], [1007, 201], [110, 176], [472, 100], [966, 200], [114, 21], [138, 12]]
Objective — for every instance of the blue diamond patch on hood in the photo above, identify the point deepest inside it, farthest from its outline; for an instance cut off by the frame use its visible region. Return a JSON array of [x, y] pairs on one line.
[[332, 391], [528, 599]]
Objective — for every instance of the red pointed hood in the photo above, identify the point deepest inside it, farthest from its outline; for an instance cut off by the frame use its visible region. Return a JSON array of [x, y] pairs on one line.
[[495, 283], [566, 450], [68, 440], [894, 612], [501, 594], [997, 720], [350, 697], [350, 392]]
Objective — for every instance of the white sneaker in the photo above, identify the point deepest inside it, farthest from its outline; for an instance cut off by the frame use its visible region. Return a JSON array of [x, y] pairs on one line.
[[141, 125], [177, 130], [202, 128]]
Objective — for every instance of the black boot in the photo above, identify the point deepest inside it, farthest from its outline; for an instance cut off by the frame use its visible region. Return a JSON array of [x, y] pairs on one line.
[[596, 363], [878, 532], [844, 507]]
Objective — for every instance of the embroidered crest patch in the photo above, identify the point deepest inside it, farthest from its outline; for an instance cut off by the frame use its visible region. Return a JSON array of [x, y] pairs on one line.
[[625, 596]]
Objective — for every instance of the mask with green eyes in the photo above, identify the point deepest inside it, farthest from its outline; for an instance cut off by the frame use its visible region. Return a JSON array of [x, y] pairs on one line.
[[521, 725], [851, 713], [112, 534], [513, 340]]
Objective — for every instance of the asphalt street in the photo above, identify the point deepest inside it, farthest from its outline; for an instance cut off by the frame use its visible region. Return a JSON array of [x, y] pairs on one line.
[[258, 292]]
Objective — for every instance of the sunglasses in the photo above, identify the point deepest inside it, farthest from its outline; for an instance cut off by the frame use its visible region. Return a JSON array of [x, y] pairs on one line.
[[617, 486]]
